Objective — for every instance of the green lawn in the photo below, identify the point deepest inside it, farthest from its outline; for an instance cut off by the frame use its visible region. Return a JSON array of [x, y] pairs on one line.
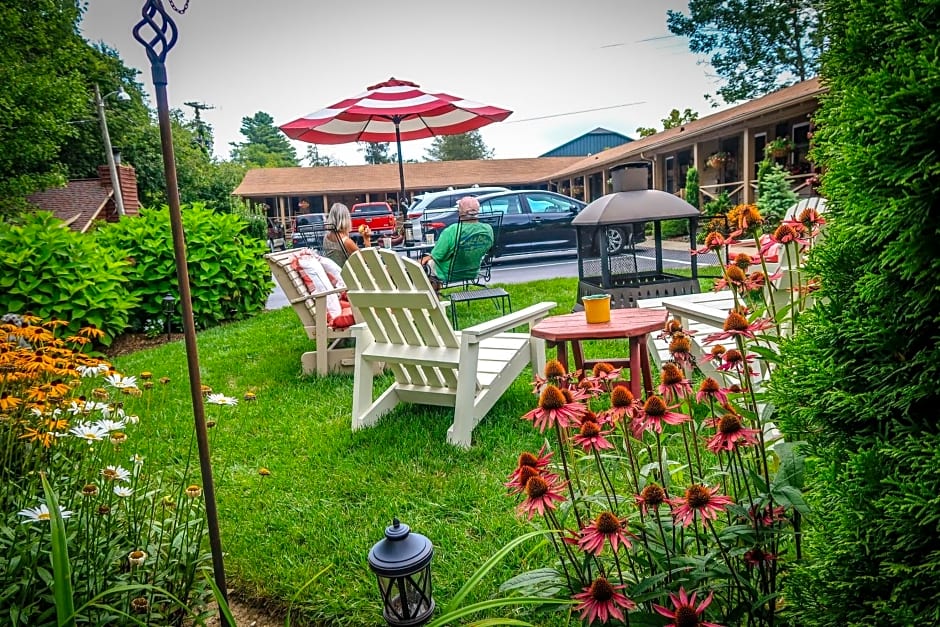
[[331, 492]]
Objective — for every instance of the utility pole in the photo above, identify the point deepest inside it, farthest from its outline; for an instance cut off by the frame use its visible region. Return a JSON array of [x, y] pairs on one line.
[[109, 151], [200, 127]]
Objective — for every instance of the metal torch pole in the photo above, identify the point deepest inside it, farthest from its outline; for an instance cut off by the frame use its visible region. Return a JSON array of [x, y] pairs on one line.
[[163, 39]]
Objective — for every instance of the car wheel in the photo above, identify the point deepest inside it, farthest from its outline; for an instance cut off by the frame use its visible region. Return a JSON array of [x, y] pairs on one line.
[[616, 240]]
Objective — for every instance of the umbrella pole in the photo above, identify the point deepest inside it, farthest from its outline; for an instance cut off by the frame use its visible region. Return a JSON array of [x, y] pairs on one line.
[[401, 173]]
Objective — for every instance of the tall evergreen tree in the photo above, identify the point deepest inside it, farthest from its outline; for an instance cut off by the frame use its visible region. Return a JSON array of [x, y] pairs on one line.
[[755, 47], [266, 147], [464, 147], [859, 382]]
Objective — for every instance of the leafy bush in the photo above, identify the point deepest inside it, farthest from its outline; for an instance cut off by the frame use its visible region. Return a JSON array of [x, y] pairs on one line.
[[868, 407], [229, 278], [49, 270], [133, 535]]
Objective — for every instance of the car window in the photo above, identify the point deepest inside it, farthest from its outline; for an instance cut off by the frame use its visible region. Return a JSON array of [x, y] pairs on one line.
[[543, 203], [506, 205], [443, 202]]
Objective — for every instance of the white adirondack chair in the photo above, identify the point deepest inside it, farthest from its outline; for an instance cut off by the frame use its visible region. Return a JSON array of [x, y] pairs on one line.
[[406, 328], [329, 356]]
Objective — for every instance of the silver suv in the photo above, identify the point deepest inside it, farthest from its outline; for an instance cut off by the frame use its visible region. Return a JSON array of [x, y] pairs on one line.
[[445, 199]]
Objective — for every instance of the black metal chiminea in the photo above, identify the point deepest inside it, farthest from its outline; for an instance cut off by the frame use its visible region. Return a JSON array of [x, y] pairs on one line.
[[614, 255]]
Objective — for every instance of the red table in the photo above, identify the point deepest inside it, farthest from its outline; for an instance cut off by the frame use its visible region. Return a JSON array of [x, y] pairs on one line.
[[632, 324]]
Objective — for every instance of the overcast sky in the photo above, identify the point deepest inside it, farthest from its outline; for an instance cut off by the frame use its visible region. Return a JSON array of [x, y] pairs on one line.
[[563, 68]]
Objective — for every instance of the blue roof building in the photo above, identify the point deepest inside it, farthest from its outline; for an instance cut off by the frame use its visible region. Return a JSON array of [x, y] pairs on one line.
[[590, 143]]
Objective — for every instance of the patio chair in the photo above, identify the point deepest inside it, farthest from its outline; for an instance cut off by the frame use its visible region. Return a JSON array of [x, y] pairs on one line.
[[469, 272], [406, 327], [330, 356]]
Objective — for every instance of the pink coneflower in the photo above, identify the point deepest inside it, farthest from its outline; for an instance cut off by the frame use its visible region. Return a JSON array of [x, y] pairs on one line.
[[733, 276], [731, 432], [656, 412], [529, 466], [650, 497], [622, 403], [672, 383], [591, 386], [768, 516], [541, 492], [601, 600], [711, 389], [554, 408], [698, 499], [758, 556], [555, 373], [680, 347], [714, 241], [605, 372], [737, 324], [685, 614], [715, 353], [734, 360], [591, 437], [606, 527], [743, 261]]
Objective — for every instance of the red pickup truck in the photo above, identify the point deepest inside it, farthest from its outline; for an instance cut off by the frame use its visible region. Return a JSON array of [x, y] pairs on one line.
[[378, 216]]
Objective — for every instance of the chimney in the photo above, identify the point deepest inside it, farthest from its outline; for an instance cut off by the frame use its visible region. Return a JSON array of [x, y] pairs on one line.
[[128, 181]]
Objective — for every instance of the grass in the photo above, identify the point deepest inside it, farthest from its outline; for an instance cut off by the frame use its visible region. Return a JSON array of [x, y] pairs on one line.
[[331, 492]]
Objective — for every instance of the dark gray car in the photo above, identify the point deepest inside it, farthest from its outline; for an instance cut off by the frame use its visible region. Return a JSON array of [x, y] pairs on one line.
[[532, 221]]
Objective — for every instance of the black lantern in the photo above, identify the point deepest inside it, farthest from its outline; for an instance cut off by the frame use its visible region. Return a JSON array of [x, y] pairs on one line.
[[402, 563], [169, 306]]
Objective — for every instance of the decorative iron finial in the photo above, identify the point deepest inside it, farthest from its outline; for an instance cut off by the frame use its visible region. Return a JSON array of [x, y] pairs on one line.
[[161, 41]]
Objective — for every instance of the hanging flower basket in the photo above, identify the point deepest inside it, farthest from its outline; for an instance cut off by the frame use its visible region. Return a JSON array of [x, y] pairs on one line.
[[717, 159], [779, 147]]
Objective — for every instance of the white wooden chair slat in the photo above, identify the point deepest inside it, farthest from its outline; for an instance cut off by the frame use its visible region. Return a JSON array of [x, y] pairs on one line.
[[405, 327]]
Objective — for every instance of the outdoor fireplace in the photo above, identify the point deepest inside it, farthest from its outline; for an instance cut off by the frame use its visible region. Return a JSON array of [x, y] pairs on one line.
[[615, 256]]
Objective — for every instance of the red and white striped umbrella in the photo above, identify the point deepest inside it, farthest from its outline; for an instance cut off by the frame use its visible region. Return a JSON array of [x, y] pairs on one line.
[[393, 111]]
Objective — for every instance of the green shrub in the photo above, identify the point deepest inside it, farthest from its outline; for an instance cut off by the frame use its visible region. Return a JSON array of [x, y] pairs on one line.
[[692, 188], [229, 278], [775, 195], [868, 407], [54, 272]]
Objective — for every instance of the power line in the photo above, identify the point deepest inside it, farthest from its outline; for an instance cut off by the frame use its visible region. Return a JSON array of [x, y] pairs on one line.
[[558, 115]]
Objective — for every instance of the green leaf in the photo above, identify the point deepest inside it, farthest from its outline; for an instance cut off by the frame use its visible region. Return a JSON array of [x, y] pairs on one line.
[[61, 569]]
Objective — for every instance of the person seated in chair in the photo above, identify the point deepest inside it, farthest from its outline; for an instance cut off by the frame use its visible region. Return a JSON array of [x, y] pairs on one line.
[[460, 248]]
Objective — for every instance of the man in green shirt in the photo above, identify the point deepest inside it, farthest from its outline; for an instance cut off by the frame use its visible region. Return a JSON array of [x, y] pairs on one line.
[[460, 248]]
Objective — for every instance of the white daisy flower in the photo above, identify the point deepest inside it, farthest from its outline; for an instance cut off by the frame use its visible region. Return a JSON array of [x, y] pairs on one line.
[[123, 491], [133, 419], [116, 473], [91, 371], [41, 513], [221, 399], [88, 432], [119, 381], [111, 425], [75, 408], [108, 410], [137, 459]]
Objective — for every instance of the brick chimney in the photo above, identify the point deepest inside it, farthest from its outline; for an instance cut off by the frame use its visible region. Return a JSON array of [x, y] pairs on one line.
[[128, 181]]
